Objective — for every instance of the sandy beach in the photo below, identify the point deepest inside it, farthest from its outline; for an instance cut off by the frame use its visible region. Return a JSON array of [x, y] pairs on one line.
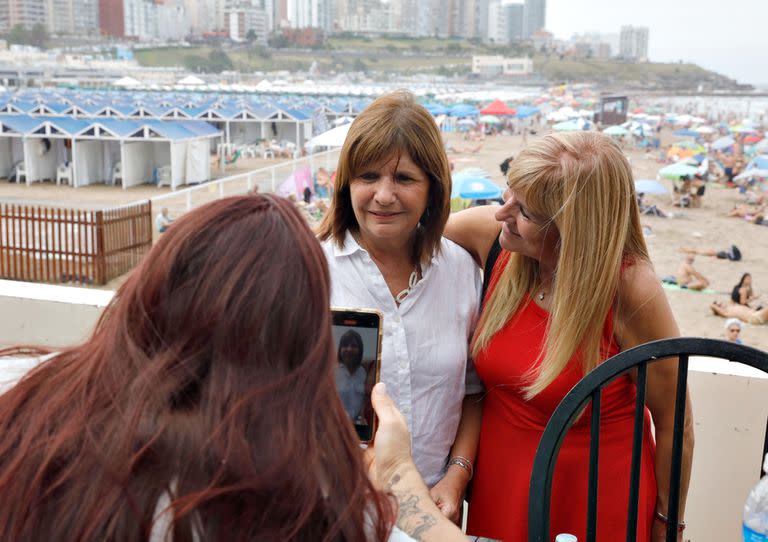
[[705, 227]]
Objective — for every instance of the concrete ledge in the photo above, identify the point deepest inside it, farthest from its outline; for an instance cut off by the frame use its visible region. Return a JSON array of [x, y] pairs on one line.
[[46, 314], [730, 400]]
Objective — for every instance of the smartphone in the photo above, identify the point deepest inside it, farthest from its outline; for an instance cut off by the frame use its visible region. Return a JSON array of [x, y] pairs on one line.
[[357, 336]]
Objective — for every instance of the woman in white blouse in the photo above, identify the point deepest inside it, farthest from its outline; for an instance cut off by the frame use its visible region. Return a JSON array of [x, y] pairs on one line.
[[383, 240]]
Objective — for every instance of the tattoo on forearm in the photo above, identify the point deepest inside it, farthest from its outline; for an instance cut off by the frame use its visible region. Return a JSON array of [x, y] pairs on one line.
[[411, 518]]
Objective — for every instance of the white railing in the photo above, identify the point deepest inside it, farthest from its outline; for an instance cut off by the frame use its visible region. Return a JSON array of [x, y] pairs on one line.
[[267, 179]]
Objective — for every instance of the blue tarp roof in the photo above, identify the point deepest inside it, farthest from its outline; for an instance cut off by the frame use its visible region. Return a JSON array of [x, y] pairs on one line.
[[139, 106], [121, 128], [70, 125]]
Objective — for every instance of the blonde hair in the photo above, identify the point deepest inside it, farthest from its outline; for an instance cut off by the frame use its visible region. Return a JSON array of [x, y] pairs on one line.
[[583, 184], [393, 123]]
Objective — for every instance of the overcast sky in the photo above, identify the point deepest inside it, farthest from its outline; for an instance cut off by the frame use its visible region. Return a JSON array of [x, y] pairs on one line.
[[727, 36]]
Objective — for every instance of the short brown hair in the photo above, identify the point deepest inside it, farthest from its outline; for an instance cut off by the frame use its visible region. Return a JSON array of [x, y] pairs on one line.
[[393, 123]]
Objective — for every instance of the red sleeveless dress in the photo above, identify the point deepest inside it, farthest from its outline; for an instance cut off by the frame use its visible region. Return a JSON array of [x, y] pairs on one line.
[[512, 428]]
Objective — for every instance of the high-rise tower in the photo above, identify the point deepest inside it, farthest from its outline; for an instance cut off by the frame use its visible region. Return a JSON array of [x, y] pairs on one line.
[[534, 17]]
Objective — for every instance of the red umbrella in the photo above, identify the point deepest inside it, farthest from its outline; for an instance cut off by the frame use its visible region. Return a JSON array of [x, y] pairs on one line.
[[498, 108], [752, 139]]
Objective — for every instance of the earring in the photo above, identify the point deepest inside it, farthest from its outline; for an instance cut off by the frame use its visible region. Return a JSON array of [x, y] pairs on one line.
[[424, 217]]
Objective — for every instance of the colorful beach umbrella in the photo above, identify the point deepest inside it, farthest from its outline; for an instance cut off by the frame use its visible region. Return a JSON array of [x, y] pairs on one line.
[[742, 129], [473, 183], [691, 146], [752, 174], [723, 143], [464, 110], [685, 133], [525, 111], [616, 131], [677, 170], [332, 138], [648, 186], [758, 162], [570, 126], [497, 108]]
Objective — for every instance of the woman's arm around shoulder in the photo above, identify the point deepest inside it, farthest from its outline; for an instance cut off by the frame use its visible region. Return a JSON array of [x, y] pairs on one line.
[[475, 230], [643, 315]]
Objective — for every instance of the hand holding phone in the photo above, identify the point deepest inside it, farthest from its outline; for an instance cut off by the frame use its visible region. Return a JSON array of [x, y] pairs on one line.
[[357, 333]]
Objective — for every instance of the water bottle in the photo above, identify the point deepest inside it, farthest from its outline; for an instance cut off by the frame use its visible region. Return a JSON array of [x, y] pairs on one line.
[[565, 537], [756, 510]]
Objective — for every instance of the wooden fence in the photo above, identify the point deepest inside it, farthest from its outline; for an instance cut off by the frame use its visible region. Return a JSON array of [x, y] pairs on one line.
[[55, 245]]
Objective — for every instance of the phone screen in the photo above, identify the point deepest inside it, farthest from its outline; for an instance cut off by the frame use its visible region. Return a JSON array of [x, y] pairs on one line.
[[357, 336]]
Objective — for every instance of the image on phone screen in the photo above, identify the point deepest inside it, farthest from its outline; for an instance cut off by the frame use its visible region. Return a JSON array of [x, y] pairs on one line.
[[356, 335]]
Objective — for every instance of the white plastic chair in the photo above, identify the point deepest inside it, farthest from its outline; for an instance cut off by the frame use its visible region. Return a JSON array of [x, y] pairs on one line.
[[21, 171], [64, 174], [117, 174], [164, 176]]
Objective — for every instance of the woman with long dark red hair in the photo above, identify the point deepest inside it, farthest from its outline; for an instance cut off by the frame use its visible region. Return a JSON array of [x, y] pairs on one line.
[[203, 406]]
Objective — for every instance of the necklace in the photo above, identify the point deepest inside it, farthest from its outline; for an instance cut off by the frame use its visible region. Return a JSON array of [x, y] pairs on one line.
[[412, 280]]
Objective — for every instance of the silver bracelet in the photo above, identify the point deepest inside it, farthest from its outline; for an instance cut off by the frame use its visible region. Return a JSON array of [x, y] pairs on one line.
[[462, 462]]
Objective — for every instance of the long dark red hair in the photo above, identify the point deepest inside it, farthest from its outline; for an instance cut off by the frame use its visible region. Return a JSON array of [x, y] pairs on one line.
[[209, 379]]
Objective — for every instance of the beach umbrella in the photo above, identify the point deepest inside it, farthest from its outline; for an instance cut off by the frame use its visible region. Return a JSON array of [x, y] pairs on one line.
[[752, 174], [473, 183], [569, 126], [436, 109], [723, 143], [464, 110], [704, 130], [690, 145], [467, 122], [741, 129], [497, 108], [685, 133], [332, 138], [489, 119], [753, 139], [615, 131], [648, 186], [677, 170], [758, 162], [525, 111]]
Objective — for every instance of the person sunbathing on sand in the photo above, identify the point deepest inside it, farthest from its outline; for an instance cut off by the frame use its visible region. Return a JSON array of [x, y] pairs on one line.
[[732, 253], [745, 314], [688, 277], [747, 211]]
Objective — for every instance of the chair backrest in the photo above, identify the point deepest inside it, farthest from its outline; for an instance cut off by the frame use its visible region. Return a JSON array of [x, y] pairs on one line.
[[589, 389]]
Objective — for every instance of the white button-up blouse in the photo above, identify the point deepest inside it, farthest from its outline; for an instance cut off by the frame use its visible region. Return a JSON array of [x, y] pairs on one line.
[[425, 350]]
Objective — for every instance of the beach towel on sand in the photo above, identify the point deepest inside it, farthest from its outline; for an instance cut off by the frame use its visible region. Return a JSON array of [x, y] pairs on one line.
[[669, 286]]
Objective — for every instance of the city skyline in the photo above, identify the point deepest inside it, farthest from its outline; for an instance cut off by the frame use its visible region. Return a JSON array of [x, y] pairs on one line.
[[673, 34], [732, 43]]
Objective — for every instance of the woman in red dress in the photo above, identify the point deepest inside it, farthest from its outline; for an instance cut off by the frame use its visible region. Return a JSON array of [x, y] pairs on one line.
[[573, 286]]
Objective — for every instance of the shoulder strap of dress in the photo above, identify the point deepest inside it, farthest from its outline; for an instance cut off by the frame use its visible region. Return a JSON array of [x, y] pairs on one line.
[[490, 261]]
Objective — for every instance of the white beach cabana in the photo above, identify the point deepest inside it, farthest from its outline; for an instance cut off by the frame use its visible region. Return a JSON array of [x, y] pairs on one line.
[[148, 151], [13, 128]]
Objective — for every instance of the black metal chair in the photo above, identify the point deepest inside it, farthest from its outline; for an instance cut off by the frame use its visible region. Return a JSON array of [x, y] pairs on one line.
[[589, 389]]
